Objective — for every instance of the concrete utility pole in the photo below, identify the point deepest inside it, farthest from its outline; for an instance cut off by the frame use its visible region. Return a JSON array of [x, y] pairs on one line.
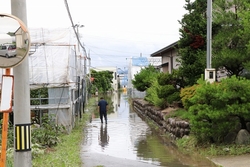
[[21, 93], [209, 33], [209, 71]]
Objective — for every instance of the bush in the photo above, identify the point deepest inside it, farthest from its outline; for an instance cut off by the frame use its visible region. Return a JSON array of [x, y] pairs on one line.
[[218, 107], [152, 96], [186, 94], [48, 134], [174, 97], [179, 113]]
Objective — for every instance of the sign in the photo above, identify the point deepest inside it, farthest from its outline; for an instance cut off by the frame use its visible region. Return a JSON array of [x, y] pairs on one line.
[[6, 94]]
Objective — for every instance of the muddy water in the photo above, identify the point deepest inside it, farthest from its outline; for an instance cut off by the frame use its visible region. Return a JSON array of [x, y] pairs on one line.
[[127, 140]]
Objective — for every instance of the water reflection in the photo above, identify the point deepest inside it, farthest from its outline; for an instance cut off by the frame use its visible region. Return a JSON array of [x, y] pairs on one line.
[[132, 140], [103, 136]]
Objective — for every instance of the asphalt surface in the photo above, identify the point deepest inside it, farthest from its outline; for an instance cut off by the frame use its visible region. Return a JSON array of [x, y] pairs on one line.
[[95, 159], [99, 159]]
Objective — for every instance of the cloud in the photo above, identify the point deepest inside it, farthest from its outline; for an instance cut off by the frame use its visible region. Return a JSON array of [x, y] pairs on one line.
[[113, 30]]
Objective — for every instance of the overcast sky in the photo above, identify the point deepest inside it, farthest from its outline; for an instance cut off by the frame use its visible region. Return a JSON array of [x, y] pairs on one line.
[[114, 30]]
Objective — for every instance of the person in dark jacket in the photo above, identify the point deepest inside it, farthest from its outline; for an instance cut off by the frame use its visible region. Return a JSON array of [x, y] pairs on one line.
[[102, 107]]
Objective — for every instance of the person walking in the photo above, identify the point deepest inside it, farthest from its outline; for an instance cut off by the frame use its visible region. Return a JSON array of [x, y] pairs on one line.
[[102, 107]]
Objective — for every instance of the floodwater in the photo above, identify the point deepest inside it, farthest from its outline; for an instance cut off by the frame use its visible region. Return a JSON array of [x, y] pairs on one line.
[[127, 141]]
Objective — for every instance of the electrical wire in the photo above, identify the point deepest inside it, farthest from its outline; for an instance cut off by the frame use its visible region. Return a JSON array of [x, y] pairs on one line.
[[111, 60], [73, 25], [90, 46]]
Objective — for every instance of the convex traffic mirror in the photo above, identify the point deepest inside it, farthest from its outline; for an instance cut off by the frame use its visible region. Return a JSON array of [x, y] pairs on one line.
[[14, 41]]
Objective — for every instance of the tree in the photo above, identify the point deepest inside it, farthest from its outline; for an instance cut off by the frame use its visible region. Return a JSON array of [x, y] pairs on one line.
[[229, 43], [102, 81], [245, 32], [192, 44], [145, 78]]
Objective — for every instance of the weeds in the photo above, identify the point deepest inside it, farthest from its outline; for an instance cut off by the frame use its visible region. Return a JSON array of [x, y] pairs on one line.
[[49, 132], [190, 145], [67, 151]]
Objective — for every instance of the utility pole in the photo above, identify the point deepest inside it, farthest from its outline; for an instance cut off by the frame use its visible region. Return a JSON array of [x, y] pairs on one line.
[[78, 76], [209, 71], [89, 66], [79, 111], [86, 57], [209, 33], [77, 32], [21, 92]]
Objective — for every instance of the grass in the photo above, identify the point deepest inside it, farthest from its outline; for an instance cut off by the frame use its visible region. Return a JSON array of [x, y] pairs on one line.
[[67, 152], [189, 145]]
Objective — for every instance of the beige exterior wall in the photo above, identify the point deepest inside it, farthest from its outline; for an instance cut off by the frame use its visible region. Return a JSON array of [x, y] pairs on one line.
[[168, 57], [165, 60], [170, 61]]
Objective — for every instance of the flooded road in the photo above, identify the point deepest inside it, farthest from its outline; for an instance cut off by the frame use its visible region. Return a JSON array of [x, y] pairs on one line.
[[127, 140]]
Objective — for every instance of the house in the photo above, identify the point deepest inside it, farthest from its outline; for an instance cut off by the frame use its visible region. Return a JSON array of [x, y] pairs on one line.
[[168, 56]]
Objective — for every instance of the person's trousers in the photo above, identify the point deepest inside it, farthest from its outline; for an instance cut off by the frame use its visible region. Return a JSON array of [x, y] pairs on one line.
[[103, 114]]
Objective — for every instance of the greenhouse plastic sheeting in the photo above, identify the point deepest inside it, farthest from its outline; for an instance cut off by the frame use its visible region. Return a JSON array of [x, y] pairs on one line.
[[54, 60]]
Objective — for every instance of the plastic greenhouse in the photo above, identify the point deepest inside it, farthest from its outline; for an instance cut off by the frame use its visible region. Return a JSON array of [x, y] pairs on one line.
[[56, 63]]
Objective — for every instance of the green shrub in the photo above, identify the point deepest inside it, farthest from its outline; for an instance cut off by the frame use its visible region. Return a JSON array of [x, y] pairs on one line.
[[48, 134], [153, 97], [169, 88], [174, 97], [218, 107], [165, 90], [186, 94], [169, 93]]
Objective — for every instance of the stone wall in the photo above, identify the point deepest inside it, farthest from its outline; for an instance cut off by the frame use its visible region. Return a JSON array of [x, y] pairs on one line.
[[176, 128]]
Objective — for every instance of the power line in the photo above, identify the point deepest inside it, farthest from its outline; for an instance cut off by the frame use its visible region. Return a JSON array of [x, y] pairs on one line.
[[130, 53], [109, 49], [73, 25], [149, 42]]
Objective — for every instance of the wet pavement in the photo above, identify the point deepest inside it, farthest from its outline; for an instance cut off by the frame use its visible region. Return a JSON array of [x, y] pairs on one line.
[[127, 141], [232, 161]]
